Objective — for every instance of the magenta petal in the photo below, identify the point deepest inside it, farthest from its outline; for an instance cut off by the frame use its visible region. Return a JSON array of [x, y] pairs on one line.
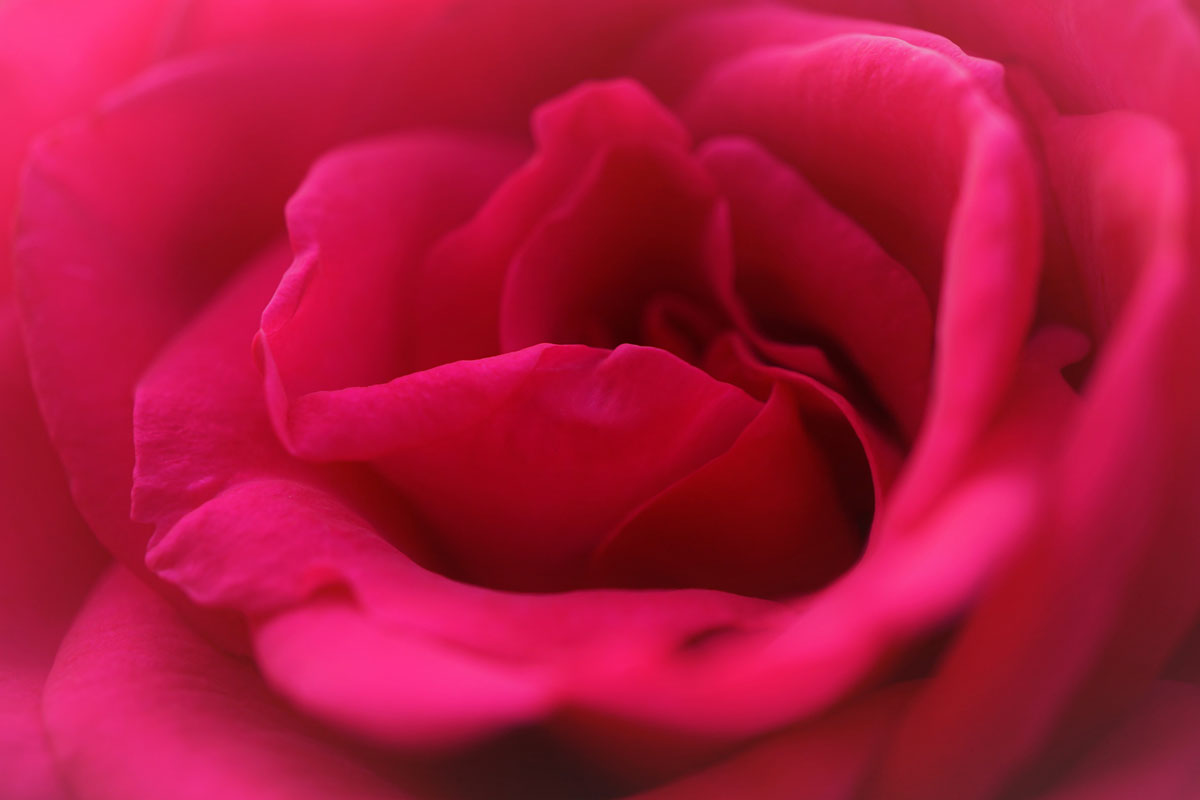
[[1137, 54], [911, 580], [851, 116], [138, 701], [764, 518], [462, 282], [522, 462], [1075, 629], [1116, 178], [361, 225], [806, 271], [48, 561], [131, 219], [638, 229], [682, 54], [400, 688], [108, 43]]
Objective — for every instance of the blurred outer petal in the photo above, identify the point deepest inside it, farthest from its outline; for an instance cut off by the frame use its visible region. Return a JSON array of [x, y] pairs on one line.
[[1097, 602], [824, 759], [1153, 753], [104, 43], [48, 561], [138, 702], [1137, 54], [110, 42], [686, 50], [854, 114], [132, 217]]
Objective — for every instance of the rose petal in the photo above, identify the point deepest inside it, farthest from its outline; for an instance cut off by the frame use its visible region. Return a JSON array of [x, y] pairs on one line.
[[1074, 629], [108, 42], [910, 583], [851, 116], [762, 519], [137, 701], [132, 217], [637, 229], [1143, 55], [679, 56], [461, 284], [360, 226], [581, 435], [397, 688], [805, 271], [48, 561], [828, 758]]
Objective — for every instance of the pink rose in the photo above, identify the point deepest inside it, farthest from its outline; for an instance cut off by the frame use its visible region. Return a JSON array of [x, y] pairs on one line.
[[531, 398]]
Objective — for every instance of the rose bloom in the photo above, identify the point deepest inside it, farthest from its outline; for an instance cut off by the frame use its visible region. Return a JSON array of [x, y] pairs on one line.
[[671, 399]]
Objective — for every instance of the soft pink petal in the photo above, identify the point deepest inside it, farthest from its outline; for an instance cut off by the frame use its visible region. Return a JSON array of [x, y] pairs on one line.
[[138, 704], [48, 561]]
